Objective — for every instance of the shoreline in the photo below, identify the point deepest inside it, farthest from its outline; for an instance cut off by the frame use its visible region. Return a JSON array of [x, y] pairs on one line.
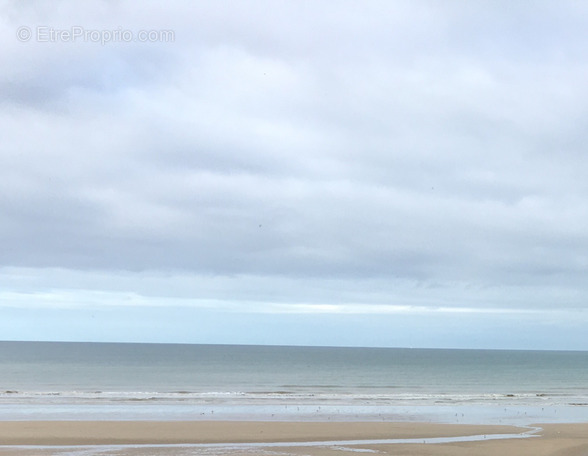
[[76, 433], [492, 414], [131, 438]]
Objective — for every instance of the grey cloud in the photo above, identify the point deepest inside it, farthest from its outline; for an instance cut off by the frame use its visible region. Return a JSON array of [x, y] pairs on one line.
[[414, 141]]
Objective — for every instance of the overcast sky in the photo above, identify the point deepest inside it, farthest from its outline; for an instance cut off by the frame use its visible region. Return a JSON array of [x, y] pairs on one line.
[[383, 173]]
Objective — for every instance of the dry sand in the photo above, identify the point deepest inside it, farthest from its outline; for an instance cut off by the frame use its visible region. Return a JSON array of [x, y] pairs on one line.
[[562, 440]]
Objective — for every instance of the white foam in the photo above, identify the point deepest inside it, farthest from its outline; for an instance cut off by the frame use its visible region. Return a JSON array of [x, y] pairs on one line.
[[297, 398]]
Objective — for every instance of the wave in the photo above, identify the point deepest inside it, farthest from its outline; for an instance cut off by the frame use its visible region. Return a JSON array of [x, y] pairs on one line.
[[285, 397]]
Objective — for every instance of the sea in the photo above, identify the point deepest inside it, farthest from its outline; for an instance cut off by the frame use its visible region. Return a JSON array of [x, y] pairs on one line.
[[112, 381]]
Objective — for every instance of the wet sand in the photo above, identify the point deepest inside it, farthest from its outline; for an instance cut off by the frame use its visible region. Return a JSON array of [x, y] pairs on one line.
[[130, 438]]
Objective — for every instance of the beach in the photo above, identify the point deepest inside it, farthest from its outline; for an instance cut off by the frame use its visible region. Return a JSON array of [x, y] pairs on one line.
[[132, 438], [81, 399]]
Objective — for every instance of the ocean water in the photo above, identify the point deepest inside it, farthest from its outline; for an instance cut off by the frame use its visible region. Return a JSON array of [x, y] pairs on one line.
[[41, 380]]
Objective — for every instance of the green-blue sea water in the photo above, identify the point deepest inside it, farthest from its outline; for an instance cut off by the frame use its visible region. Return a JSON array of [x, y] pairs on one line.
[[48, 380]]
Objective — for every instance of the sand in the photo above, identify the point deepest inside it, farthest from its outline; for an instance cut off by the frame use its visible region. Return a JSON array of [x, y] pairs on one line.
[[17, 437]]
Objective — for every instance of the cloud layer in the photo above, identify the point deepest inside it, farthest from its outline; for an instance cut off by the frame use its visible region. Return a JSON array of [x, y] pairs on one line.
[[394, 153]]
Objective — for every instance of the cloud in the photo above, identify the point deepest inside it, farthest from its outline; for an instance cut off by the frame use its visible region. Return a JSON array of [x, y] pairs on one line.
[[414, 155]]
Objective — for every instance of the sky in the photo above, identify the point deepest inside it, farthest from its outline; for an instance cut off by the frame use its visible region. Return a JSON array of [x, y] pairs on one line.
[[350, 173]]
